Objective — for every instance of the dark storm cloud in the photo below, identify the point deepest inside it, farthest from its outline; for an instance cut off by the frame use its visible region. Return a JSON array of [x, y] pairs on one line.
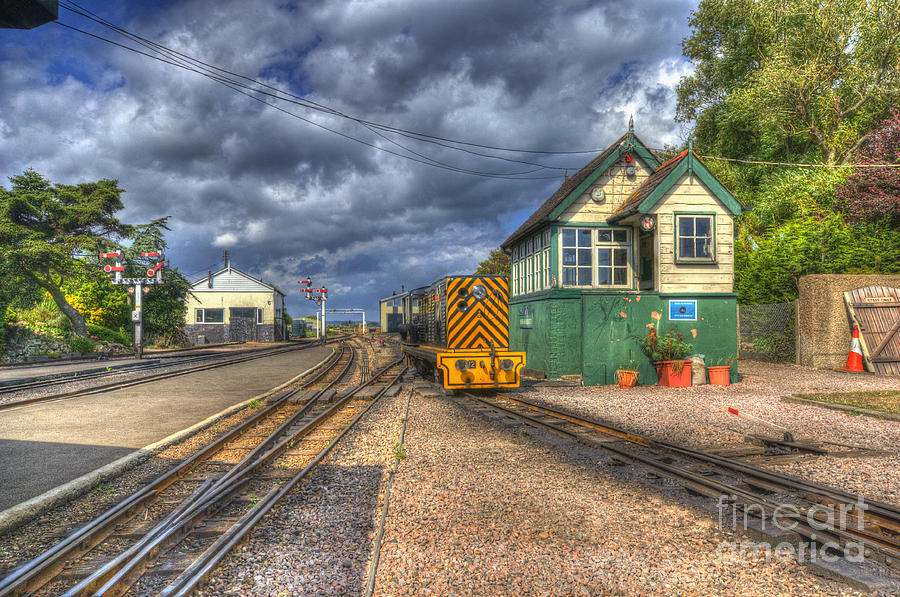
[[288, 199]]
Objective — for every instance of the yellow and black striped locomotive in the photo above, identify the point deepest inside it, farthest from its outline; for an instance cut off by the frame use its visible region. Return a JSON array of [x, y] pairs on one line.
[[458, 329]]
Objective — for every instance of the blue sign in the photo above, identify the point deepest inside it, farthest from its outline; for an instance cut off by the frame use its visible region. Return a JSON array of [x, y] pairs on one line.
[[683, 310]]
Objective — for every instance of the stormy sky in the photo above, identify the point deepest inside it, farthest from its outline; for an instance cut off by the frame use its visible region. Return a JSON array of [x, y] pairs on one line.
[[289, 199]]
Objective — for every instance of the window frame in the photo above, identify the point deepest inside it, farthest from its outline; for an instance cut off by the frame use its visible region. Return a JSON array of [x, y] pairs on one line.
[[612, 245], [577, 247], [713, 258], [259, 316], [201, 311]]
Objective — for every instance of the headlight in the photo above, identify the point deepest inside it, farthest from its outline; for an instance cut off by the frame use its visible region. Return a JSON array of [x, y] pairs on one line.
[[460, 364], [479, 291], [462, 306], [506, 364]]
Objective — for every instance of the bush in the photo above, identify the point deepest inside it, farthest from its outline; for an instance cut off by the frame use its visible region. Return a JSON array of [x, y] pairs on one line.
[[81, 344], [108, 335]]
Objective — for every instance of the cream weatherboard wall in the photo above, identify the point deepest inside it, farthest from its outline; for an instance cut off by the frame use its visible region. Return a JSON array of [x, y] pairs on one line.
[[690, 195], [225, 300], [617, 185]]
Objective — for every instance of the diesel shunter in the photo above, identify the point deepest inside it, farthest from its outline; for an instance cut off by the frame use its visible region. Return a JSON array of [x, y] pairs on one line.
[[458, 330]]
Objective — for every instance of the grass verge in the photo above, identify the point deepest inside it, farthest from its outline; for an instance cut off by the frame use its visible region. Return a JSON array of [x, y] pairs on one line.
[[882, 400]]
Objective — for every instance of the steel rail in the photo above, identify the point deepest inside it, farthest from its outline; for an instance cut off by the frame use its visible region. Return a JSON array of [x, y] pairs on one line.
[[149, 378], [116, 576], [689, 479], [889, 512], [192, 576], [35, 573]]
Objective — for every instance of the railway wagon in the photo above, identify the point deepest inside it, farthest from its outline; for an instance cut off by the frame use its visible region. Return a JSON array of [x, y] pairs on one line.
[[458, 330]]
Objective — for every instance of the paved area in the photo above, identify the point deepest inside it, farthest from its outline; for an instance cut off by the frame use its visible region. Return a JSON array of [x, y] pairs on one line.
[[46, 445]]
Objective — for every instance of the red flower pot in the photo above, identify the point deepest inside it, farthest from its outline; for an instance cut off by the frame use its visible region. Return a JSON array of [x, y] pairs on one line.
[[669, 378], [719, 375], [627, 379]]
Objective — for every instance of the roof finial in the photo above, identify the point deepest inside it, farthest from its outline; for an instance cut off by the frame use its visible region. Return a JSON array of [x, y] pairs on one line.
[[631, 124]]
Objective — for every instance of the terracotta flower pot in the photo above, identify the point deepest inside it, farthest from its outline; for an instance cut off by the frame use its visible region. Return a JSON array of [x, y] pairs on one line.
[[669, 378], [627, 379], [719, 375]]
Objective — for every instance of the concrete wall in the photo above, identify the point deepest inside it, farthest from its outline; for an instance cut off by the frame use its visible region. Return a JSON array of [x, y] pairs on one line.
[[823, 323], [595, 333]]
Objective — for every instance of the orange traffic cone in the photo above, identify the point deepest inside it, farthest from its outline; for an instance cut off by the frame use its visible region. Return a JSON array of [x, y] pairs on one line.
[[854, 359]]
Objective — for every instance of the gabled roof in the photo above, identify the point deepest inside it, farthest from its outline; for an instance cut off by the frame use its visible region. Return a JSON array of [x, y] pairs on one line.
[[655, 187], [202, 284], [575, 185]]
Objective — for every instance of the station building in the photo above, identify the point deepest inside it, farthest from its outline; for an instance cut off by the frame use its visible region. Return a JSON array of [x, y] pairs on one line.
[[231, 306], [390, 311], [624, 244]]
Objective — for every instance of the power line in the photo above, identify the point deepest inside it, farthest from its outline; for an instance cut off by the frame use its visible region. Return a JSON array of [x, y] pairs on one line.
[[800, 165], [175, 58]]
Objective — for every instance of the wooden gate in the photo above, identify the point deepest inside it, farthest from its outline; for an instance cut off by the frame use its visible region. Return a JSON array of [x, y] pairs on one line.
[[876, 310]]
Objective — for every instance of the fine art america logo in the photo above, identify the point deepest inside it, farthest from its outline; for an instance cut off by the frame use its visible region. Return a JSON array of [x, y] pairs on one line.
[[825, 518]]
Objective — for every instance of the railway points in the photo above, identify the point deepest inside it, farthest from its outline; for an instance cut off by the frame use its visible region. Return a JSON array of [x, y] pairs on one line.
[[490, 504], [80, 435]]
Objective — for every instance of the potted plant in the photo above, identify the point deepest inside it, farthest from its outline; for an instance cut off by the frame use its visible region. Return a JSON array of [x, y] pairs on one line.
[[719, 374], [627, 375], [668, 354]]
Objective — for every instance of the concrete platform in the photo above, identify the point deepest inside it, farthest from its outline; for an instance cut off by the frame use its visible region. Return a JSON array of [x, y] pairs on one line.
[[46, 445]]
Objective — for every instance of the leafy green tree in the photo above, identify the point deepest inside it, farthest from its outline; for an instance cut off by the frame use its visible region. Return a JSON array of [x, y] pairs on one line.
[[790, 78], [45, 229], [497, 264]]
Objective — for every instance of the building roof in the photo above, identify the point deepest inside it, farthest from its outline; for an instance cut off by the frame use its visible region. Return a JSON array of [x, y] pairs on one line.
[[564, 194], [657, 184], [630, 206], [238, 282]]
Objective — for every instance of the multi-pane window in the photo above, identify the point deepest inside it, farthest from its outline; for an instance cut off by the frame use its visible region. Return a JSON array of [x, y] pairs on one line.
[[576, 257], [209, 315], [546, 244], [695, 237], [536, 265], [613, 250]]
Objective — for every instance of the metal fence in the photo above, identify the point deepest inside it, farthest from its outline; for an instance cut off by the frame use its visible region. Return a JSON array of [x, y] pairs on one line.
[[768, 332]]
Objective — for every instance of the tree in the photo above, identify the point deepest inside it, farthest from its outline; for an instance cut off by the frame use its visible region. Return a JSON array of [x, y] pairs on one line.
[[45, 229], [784, 79], [497, 264], [873, 194]]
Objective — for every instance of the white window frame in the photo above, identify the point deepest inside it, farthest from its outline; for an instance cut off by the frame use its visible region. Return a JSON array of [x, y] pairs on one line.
[[546, 244], [613, 246], [200, 316], [577, 247], [259, 316]]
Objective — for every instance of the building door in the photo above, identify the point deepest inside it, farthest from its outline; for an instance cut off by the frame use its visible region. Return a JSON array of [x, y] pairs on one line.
[[393, 321], [243, 324]]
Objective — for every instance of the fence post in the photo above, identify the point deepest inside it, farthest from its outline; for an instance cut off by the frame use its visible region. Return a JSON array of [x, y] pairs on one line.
[[797, 345]]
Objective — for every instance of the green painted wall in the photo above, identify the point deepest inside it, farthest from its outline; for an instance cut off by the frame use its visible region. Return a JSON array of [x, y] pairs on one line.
[[614, 324]]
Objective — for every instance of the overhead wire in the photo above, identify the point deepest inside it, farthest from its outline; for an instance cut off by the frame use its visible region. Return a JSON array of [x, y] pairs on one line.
[[187, 62], [181, 60]]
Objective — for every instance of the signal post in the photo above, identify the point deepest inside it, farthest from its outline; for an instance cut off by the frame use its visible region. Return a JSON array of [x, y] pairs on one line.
[[137, 286], [319, 295]]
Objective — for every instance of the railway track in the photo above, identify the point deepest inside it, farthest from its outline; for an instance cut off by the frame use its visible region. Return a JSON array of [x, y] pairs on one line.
[[219, 361], [826, 517], [167, 536]]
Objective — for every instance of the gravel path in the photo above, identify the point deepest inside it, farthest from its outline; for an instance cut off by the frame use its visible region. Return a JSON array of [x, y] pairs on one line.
[[481, 508], [698, 417]]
